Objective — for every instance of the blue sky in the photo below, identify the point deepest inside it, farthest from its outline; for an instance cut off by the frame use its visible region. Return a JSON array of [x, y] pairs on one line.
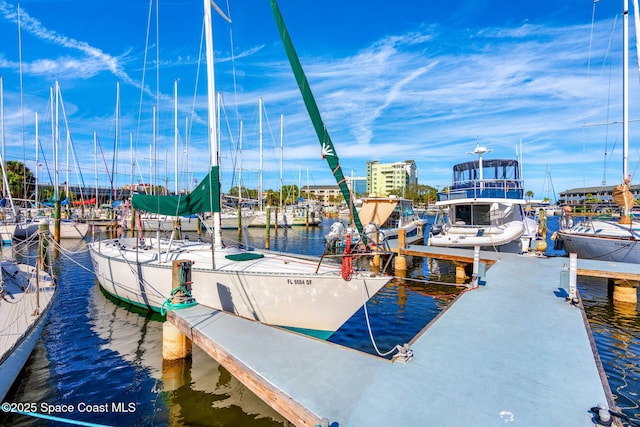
[[396, 81]]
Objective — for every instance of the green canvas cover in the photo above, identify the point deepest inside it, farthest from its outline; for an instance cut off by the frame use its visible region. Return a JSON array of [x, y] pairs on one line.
[[245, 256], [205, 198]]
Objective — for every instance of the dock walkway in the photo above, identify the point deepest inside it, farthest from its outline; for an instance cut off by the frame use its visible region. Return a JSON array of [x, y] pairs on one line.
[[511, 350]]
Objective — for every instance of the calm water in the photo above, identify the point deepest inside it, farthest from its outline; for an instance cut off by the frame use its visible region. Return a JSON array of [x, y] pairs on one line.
[[96, 352]]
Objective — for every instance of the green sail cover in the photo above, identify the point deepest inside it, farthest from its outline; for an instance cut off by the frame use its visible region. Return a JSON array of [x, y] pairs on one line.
[[328, 150], [205, 198]]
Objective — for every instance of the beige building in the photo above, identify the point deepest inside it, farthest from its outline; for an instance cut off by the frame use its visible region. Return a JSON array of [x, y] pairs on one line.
[[323, 193], [382, 178], [330, 195]]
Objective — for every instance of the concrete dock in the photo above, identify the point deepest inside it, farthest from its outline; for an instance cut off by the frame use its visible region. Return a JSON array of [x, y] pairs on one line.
[[511, 350]]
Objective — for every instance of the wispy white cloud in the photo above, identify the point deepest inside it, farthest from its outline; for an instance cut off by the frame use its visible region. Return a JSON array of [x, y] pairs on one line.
[[425, 94], [429, 95], [93, 61]]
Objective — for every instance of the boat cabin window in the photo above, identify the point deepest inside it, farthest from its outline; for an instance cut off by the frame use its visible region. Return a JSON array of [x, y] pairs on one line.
[[400, 211], [473, 214]]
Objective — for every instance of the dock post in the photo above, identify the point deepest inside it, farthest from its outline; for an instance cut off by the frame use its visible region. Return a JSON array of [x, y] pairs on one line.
[[475, 277], [401, 260], [275, 220], [56, 221], [176, 229], [461, 274], [267, 242], [625, 291], [573, 277], [175, 345], [43, 257], [132, 223]]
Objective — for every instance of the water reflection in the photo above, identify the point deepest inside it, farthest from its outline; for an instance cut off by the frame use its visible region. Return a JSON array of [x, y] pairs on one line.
[[192, 390], [616, 330]]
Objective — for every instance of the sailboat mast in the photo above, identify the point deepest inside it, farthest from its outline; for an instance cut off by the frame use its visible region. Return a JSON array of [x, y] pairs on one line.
[[211, 93], [117, 141], [153, 152], [37, 168], [240, 165], [95, 161], [67, 174], [625, 93], [260, 169], [56, 194], [4, 190], [175, 135], [281, 155], [133, 164]]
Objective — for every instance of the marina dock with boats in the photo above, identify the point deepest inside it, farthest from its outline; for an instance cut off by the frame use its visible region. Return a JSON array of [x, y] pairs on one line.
[[513, 345], [471, 317]]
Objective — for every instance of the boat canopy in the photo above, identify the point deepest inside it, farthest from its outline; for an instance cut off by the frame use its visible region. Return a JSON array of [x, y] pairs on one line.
[[495, 173], [205, 198], [377, 210]]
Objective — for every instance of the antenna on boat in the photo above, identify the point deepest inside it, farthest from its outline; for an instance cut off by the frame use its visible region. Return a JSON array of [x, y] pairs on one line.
[[480, 151]]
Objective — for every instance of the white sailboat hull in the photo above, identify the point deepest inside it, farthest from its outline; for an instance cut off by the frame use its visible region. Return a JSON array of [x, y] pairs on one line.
[[603, 240], [6, 233], [11, 367], [21, 324], [71, 229], [24, 230], [277, 289]]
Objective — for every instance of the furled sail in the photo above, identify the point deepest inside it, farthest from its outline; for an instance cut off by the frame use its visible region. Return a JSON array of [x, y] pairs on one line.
[[624, 199], [204, 198], [328, 150]]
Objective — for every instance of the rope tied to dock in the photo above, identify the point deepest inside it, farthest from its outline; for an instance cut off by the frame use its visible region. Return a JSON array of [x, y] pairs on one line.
[[404, 352], [180, 296]]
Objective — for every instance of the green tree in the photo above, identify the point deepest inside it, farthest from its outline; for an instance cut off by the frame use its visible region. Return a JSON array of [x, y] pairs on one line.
[[419, 193], [290, 194], [21, 180]]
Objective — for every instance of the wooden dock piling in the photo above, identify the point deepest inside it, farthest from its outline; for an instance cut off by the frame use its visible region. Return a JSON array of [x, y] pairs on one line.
[[401, 260], [267, 241], [625, 291], [132, 223], [175, 345]]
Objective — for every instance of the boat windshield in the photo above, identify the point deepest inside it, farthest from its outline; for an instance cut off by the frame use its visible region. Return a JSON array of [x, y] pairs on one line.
[[472, 215]]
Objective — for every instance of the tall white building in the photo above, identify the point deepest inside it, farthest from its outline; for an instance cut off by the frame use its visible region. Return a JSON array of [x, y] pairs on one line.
[[382, 178]]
